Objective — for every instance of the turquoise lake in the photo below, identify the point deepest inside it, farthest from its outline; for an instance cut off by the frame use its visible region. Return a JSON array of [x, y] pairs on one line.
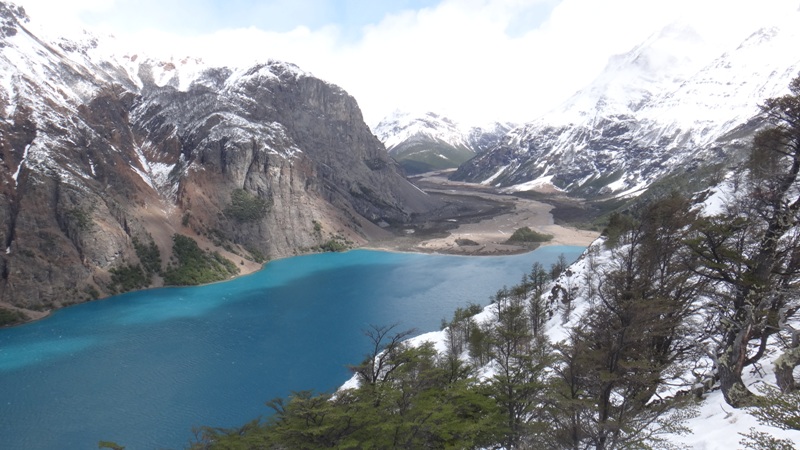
[[143, 368]]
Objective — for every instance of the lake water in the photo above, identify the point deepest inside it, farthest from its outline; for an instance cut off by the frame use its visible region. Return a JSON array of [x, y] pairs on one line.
[[143, 368]]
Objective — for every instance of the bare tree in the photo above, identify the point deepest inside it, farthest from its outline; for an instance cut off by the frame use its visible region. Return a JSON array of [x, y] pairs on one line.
[[385, 355]]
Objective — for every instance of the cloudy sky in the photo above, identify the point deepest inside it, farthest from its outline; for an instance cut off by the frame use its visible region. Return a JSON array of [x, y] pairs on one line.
[[473, 60]]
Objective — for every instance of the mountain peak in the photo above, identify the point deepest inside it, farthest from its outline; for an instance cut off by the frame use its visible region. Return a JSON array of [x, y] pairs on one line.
[[12, 12], [430, 141], [673, 103], [10, 18]]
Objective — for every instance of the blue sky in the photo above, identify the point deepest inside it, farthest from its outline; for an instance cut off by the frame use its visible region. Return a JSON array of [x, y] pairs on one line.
[[202, 16], [475, 61]]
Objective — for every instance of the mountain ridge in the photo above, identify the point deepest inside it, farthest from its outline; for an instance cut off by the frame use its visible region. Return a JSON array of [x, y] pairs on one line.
[[100, 151], [635, 124], [428, 142]]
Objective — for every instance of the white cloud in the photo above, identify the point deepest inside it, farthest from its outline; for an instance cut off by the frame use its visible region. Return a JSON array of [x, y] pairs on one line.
[[61, 16], [473, 60]]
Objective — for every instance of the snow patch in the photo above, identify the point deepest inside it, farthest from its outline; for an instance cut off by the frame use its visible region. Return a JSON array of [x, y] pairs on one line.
[[633, 191], [499, 172], [159, 172], [545, 182], [21, 163], [720, 196]]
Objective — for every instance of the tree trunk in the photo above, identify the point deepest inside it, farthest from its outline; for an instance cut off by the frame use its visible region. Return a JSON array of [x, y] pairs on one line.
[[729, 368], [784, 369], [733, 388]]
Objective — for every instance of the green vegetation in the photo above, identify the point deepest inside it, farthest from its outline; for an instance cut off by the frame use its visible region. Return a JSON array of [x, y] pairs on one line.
[[420, 157], [194, 266], [526, 235], [128, 278], [91, 292], [246, 207], [217, 236], [256, 255], [751, 254], [80, 218], [137, 276], [11, 317], [333, 245], [618, 224], [776, 409], [149, 256], [409, 398], [336, 243]]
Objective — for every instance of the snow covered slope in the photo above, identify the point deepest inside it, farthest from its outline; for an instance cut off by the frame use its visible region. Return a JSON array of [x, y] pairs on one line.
[[421, 143], [676, 102], [714, 426]]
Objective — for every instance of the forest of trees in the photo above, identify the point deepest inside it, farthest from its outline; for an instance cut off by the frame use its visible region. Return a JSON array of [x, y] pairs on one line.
[[671, 291]]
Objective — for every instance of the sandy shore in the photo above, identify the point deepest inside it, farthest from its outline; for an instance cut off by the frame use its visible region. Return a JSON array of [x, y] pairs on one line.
[[488, 236]]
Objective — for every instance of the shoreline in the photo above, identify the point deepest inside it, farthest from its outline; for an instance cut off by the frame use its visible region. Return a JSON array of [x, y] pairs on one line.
[[486, 236], [489, 236], [384, 246]]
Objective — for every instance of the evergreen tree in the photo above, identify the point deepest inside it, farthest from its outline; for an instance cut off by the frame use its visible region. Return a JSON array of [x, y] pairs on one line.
[[633, 332], [520, 360], [537, 308]]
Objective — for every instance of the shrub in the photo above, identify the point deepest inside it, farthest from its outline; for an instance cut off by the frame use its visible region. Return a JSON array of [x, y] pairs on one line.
[[195, 266], [525, 234], [81, 219], [11, 317], [149, 256], [256, 254], [333, 245], [246, 207], [128, 278]]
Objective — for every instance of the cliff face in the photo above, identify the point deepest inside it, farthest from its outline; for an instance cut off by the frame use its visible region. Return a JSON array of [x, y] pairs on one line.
[[98, 152]]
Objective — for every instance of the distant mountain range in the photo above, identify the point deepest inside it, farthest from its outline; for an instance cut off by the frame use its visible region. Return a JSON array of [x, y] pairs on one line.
[[427, 142], [674, 105]]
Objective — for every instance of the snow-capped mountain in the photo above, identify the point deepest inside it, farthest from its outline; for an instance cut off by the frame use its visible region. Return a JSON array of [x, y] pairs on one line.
[[97, 151], [421, 143], [673, 104]]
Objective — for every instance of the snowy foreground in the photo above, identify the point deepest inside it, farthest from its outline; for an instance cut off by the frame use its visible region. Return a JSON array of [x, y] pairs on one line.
[[717, 425]]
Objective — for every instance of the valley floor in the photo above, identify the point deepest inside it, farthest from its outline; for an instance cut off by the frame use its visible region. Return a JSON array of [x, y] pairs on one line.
[[478, 221]]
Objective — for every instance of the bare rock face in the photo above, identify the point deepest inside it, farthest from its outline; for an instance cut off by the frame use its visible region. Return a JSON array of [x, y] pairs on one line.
[[96, 153]]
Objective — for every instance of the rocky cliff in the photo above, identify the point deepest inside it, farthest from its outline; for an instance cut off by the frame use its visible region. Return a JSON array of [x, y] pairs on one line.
[[98, 152]]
